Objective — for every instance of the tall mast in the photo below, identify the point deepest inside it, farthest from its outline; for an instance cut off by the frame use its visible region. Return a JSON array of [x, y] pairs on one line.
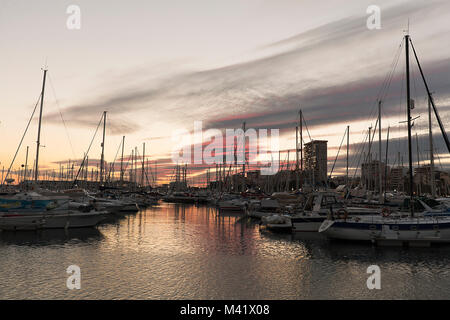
[[26, 167], [245, 159], [386, 165], [348, 146], [132, 164], [301, 144], [438, 118], [143, 164], [297, 178], [379, 152], [408, 103], [103, 148], [430, 136], [296, 148], [38, 142], [419, 185], [369, 158], [135, 166], [87, 168], [121, 160]]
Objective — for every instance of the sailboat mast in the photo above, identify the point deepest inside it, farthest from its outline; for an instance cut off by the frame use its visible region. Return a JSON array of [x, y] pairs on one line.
[[301, 145], [408, 103], [438, 118], [25, 176], [430, 135], [38, 142], [103, 148], [245, 159], [379, 152], [386, 164], [348, 146], [297, 180], [369, 160], [121, 160], [143, 165]]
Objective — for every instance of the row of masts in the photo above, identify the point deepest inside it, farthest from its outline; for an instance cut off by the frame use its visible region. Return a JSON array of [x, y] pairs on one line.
[[104, 175]]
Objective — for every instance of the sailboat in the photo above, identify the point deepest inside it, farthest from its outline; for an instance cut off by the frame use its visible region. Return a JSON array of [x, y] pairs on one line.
[[32, 210], [414, 229]]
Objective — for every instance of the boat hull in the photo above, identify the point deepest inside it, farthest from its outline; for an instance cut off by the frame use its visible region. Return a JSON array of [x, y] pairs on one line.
[[387, 232], [50, 221], [306, 224]]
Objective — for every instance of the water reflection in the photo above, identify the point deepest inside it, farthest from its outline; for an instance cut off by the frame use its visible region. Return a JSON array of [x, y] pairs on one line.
[[49, 237], [177, 251]]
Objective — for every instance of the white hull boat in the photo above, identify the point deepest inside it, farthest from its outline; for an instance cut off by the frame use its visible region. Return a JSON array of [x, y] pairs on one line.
[[387, 230], [232, 205], [54, 220], [317, 209]]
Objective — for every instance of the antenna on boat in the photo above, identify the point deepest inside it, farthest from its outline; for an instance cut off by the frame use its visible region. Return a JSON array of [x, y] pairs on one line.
[[406, 31]]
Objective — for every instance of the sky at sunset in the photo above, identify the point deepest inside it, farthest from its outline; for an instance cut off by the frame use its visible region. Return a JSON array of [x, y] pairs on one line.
[[158, 66]]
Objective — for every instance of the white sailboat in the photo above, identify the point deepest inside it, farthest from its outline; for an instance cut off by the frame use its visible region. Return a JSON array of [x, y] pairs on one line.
[[317, 208], [422, 229], [32, 210]]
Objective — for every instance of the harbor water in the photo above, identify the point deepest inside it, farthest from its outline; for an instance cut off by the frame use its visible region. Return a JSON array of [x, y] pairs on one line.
[[173, 251]]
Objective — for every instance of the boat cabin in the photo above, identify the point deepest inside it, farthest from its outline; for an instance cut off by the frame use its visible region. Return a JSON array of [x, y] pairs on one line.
[[321, 202]]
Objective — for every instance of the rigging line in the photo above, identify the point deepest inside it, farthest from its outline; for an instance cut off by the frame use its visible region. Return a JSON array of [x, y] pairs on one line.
[[60, 114], [361, 148], [386, 82], [436, 113], [360, 156], [89, 148], [439, 159], [304, 120], [393, 63], [145, 171], [21, 140], [114, 161], [337, 155], [392, 71], [383, 92], [383, 98], [128, 162], [372, 138], [400, 112]]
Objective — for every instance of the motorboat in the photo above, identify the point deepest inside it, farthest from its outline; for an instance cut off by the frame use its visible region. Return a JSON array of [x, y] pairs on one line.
[[318, 205]]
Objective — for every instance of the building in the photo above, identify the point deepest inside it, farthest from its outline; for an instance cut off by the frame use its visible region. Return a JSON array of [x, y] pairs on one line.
[[397, 178], [422, 180], [316, 162], [370, 174]]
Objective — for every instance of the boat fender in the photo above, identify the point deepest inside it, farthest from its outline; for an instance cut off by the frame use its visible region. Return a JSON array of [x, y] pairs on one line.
[[342, 214], [385, 212]]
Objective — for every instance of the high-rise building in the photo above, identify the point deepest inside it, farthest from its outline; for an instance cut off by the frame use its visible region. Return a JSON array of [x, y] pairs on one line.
[[397, 178], [316, 162], [370, 174]]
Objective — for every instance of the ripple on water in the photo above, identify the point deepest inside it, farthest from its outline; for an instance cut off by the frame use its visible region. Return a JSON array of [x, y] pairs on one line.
[[188, 252]]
